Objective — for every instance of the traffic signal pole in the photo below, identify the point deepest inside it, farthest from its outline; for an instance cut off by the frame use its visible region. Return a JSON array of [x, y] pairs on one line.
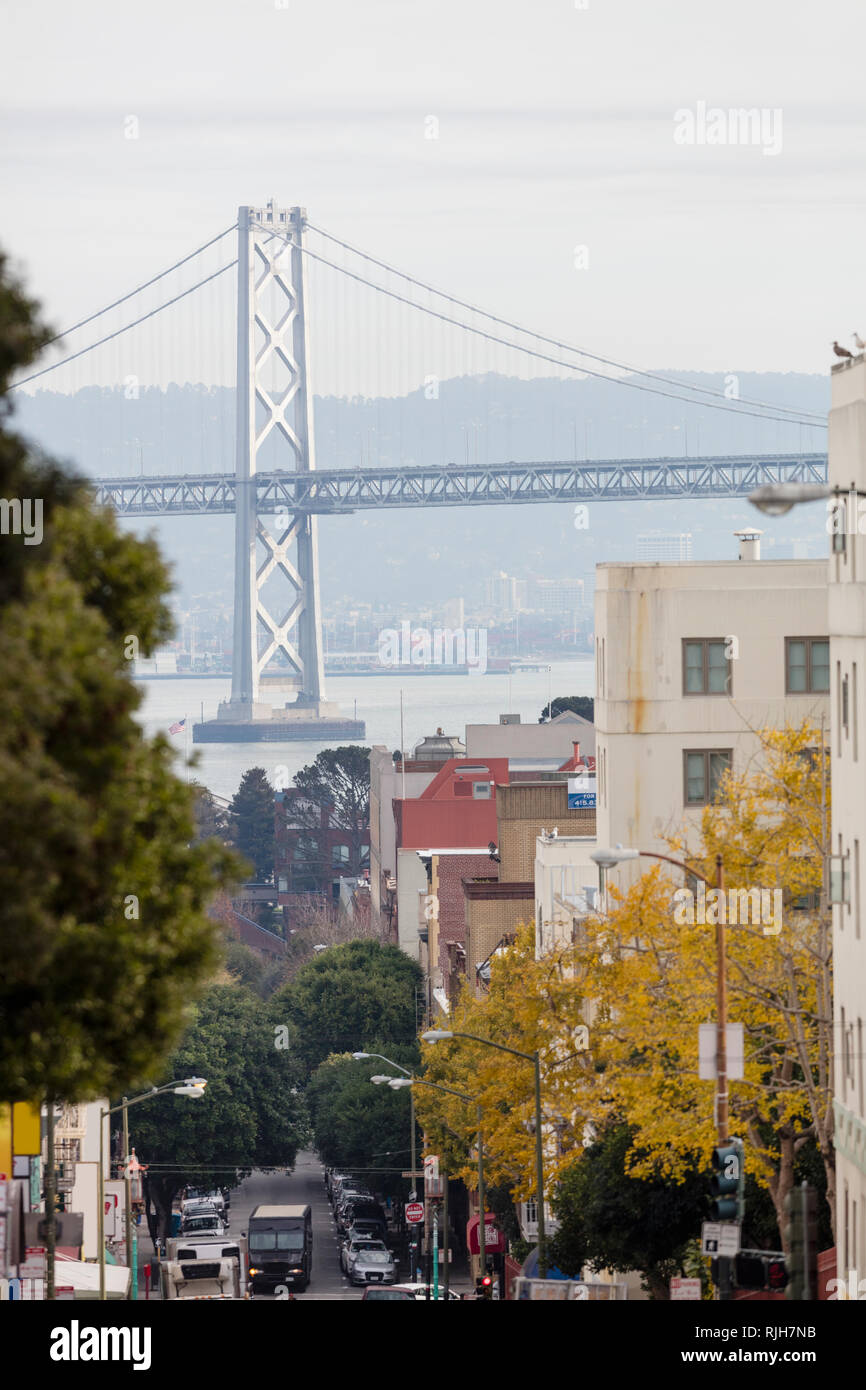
[[722, 1052]]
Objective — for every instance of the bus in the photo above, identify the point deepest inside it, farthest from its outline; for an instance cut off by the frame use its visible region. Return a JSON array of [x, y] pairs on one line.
[[280, 1241]]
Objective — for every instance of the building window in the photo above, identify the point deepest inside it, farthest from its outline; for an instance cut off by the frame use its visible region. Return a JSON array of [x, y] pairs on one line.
[[339, 856], [703, 770], [481, 791], [706, 667], [845, 703], [807, 665]]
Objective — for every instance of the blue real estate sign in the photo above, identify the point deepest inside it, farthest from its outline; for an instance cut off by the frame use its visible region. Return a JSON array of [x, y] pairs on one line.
[[581, 792]]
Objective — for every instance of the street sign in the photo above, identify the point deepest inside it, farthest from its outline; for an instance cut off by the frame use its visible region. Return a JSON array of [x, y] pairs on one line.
[[734, 1051], [414, 1212], [431, 1166], [720, 1237], [581, 792], [685, 1290]]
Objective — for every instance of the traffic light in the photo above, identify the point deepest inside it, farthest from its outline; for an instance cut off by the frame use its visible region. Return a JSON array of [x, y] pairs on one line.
[[801, 1235], [759, 1269], [728, 1181], [484, 1286]]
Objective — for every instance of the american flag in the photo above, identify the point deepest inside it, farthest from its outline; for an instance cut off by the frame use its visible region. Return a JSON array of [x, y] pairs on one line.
[[176, 728]]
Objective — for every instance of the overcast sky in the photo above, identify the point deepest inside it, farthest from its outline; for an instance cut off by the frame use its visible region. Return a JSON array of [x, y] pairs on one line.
[[556, 129]]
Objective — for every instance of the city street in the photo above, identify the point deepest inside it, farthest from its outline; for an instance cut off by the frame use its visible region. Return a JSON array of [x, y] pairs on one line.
[[305, 1186]]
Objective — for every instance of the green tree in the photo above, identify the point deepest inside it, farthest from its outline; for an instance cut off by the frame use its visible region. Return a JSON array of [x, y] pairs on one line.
[[612, 1220], [584, 705], [339, 782], [348, 995], [103, 930], [254, 970], [252, 821], [360, 1126], [252, 1114]]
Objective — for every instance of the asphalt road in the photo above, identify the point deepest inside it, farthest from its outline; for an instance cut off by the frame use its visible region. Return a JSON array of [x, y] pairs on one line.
[[305, 1186]]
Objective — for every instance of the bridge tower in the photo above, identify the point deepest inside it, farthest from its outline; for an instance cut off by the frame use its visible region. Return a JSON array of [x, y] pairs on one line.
[[274, 428]]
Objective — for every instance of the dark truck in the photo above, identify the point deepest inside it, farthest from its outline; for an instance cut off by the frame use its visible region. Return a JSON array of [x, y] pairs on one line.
[[280, 1242]]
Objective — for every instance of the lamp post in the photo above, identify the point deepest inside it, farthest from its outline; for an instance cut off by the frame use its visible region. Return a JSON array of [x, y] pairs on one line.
[[397, 1083], [379, 1080], [606, 859], [192, 1086], [441, 1035]]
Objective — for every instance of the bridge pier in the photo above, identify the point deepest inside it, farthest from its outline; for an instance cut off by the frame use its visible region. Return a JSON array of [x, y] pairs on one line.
[[273, 341]]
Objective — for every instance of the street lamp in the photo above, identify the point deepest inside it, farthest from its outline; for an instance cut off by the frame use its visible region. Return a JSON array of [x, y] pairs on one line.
[[378, 1080], [775, 499], [397, 1083], [192, 1086], [441, 1035]]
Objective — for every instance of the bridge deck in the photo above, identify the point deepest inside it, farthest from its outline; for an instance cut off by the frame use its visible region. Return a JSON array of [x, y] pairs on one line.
[[336, 491]]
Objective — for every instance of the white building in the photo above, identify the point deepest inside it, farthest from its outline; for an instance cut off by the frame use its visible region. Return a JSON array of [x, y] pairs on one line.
[[691, 660], [566, 887], [664, 547], [847, 618]]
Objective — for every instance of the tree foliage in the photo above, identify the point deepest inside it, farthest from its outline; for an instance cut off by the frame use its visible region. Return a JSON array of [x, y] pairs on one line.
[[251, 816], [360, 1126], [643, 979], [252, 1114], [655, 977], [338, 782], [348, 995], [610, 1219], [532, 1005], [584, 705], [103, 931]]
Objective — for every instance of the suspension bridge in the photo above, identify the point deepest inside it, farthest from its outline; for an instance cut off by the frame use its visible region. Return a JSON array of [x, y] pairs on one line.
[[274, 472]]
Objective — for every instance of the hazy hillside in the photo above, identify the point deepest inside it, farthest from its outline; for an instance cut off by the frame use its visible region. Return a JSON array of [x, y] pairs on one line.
[[191, 428]]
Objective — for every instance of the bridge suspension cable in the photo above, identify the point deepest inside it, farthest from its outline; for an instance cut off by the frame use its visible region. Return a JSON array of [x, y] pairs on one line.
[[138, 289], [728, 407], [127, 326], [800, 416]]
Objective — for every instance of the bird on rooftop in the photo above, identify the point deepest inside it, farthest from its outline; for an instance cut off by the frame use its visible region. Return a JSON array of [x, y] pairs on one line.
[[842, 352], [858, 341]]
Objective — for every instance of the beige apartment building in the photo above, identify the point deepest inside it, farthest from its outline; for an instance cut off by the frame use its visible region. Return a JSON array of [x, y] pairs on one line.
[[691, 661], [847, 617]]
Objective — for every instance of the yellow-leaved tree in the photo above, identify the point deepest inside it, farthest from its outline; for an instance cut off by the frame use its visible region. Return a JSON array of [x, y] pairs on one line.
[[643, 977], [532, 1005], [657, 982]]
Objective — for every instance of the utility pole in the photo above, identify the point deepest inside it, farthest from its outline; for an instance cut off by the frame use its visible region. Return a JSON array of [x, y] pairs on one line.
[[126, 1195], [50, 1201]]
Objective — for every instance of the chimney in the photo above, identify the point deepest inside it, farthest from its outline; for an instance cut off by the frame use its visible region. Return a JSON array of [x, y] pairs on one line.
[[750, 543], [576, 747]]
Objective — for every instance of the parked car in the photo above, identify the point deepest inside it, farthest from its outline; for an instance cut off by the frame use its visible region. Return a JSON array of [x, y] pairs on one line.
[[208, 1223], [365, 1217], [419, 1291], [393, 1293], [345, 1208], [354, 1243], [373, 1267]]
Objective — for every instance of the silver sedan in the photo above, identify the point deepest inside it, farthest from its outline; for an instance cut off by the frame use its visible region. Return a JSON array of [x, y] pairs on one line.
[[373, 1267]]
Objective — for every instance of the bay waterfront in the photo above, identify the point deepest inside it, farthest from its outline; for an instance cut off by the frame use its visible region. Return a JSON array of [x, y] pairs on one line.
[[447, 702]]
